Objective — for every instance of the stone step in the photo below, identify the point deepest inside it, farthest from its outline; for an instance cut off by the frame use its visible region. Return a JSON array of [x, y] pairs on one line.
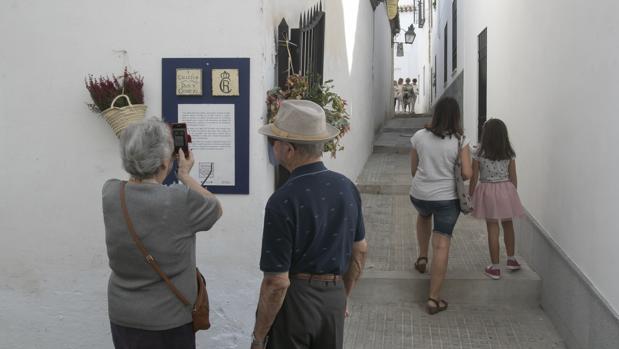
[[386, 173], [387, 287], [464, 326], [411, 116], [404, 124], [390, 222], [393, 142], [396, 133], [403, 131]]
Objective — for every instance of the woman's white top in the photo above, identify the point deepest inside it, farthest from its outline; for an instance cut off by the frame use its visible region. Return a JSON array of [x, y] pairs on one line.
[[435, 179]]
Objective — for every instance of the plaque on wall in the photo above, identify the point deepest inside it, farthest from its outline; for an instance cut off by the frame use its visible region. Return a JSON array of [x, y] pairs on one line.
[[212, 141], [189, 82], [218, 122], [225, 82]]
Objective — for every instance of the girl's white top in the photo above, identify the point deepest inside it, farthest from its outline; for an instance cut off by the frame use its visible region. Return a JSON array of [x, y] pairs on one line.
[[491, 171]]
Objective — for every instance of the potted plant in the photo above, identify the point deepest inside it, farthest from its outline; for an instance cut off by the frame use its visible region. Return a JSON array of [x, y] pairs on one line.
[[298, 87], [120, 99]]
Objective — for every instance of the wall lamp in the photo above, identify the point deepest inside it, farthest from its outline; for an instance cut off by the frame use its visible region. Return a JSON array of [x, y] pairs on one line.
[[409, 35]]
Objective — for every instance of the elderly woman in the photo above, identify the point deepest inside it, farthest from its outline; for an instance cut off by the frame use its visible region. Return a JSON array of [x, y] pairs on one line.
[[144, 313], [435, 150]]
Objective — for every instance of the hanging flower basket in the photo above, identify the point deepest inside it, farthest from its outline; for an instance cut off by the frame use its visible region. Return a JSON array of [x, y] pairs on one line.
[[298, 87], [120, 118], [121, 104]]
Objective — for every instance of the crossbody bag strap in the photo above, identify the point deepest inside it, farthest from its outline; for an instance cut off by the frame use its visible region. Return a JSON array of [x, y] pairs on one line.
[[459, 138], [149, 258]]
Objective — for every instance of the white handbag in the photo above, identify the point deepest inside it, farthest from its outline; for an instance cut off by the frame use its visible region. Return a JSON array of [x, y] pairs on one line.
[[463, 196]]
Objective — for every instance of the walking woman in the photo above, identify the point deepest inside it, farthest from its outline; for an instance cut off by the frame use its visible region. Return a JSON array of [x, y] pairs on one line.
[[434, 152], [400, 96], [143, 311]]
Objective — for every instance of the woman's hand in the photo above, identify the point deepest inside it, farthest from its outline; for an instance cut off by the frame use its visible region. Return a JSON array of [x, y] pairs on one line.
[[474, 178], [184, 163]]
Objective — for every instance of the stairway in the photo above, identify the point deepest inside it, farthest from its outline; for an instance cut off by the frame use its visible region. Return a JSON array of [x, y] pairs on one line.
[[388, 305]]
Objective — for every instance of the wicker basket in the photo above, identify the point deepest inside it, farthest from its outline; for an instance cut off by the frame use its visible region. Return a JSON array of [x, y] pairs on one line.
[[120, 118]]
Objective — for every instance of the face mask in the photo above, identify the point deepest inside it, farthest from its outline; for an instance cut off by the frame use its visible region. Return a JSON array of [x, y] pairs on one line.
[[272, 159]]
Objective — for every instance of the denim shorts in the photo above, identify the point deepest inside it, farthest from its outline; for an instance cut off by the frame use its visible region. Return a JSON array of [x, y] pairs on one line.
[[445, 213]]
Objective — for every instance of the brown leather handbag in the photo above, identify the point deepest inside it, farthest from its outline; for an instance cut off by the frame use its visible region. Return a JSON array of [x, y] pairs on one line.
[[200, 311]]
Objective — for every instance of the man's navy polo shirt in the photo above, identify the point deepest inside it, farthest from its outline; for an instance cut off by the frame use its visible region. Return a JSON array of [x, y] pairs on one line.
[[310, 223]]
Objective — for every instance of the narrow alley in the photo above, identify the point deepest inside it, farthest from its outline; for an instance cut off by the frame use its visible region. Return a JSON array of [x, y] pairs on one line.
[[388, 307], [75, 74]]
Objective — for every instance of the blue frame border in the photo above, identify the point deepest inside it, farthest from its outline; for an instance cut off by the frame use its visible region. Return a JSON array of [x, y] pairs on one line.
[[170, 102]]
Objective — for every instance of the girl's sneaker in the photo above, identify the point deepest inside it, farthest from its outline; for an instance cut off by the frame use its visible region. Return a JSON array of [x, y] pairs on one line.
[[492, 273], [512, 264]]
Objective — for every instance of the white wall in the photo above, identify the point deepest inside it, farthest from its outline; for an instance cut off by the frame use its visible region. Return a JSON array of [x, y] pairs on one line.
[[406, 66], [348, 61], [382, 67], [53, 261], [442, 15], [416, 56], [349, 53], [552, 78], [57, 154]]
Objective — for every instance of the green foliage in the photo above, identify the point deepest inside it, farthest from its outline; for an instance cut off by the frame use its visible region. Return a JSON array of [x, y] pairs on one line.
[[298, 87]]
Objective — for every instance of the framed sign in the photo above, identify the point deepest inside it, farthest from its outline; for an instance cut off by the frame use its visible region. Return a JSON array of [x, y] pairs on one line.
[[218, 122], [225, 82], [188, 82]]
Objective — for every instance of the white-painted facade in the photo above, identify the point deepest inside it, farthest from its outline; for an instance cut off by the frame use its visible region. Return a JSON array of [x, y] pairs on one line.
[[552, 78], [415, 64], [57, 154]]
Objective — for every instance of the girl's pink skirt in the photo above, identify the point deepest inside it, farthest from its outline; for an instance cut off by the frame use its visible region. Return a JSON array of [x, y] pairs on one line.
[[496, 201]]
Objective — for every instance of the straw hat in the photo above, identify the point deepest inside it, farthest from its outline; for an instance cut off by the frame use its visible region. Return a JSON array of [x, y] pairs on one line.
[[300, 121]]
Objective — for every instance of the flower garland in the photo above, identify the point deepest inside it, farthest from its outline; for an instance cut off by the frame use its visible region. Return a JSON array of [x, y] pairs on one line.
[[298, 87]]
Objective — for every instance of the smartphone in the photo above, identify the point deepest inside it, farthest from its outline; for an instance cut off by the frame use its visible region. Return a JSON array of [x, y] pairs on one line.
[[181, 138]]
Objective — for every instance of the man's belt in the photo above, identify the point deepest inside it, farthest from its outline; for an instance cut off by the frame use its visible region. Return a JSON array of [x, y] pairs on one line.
[[317, 277]]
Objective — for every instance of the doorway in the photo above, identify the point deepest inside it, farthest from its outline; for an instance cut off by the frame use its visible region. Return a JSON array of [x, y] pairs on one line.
[[482, 40]]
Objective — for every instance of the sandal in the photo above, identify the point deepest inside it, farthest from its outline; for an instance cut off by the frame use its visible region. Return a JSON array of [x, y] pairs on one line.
[[421, 267], [438, 307]]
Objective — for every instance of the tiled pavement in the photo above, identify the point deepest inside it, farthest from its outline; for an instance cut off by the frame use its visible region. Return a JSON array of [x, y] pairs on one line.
[[392, 236], [464, 326], [388, 308]]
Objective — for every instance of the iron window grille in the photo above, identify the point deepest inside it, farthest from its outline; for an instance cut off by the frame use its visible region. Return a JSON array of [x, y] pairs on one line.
[[421, 13], [454, 35]]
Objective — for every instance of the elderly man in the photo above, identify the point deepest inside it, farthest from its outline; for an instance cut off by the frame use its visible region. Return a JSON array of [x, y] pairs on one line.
[[313, 243]]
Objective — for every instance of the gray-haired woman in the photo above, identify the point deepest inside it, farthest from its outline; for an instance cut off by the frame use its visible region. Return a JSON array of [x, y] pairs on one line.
[[143, 312]]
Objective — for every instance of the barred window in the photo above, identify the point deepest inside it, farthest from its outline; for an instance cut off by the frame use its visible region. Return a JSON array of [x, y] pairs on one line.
[[454, 35]]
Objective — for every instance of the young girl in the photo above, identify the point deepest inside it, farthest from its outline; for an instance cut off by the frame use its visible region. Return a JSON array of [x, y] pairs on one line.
[[495, 199]]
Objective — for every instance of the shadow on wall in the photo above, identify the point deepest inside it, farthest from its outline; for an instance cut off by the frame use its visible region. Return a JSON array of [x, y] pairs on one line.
[[348, 61], [454, 90]]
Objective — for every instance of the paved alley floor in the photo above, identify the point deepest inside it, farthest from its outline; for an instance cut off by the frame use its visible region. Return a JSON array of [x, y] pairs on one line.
[[388, 307], [465, 326]]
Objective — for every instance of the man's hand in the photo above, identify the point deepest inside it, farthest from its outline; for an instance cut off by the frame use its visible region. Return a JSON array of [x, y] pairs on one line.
[[257, 346], [272, 294]]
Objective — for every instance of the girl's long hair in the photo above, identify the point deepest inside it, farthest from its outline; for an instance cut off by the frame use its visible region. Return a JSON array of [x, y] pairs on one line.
[[495, 143], [446, 118]]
